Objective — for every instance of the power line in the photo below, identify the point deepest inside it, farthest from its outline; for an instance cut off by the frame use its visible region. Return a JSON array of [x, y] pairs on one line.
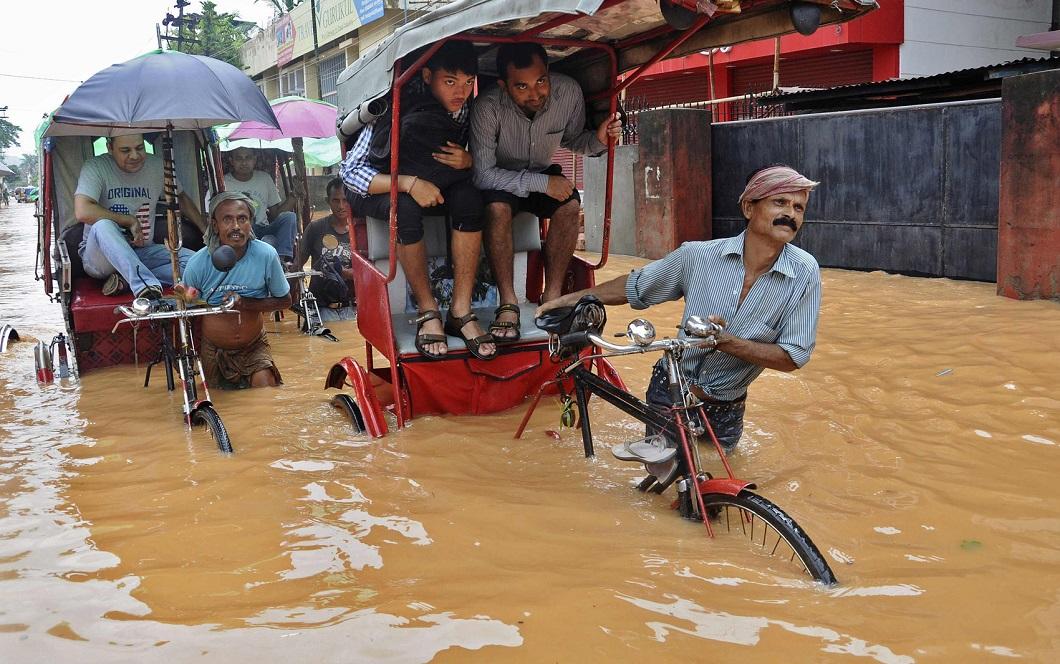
[[41, 78]]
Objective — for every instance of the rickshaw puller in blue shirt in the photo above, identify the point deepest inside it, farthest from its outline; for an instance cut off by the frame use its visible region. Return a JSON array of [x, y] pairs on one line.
[[235, 349], [764, 291]]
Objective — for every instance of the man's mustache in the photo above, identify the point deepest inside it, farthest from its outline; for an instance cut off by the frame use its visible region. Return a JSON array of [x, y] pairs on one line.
[[785, 220]]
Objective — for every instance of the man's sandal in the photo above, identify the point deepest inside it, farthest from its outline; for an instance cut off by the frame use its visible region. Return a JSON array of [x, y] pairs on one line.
[[453, 328], [424, 340], [506, 324]]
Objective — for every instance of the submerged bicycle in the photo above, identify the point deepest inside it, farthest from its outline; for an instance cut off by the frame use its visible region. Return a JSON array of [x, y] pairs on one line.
[[183, 357], [670, 452]]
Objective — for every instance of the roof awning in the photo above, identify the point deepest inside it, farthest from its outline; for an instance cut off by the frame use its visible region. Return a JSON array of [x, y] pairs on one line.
[[1046, 41]]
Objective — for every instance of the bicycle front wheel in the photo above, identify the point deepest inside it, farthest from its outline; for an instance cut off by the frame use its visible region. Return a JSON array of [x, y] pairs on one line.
[[768, 530], [209, 418]]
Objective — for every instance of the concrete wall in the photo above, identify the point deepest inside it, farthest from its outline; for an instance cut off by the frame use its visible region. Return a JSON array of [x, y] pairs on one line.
[[623, 207], [947, 35], [1028, 257]]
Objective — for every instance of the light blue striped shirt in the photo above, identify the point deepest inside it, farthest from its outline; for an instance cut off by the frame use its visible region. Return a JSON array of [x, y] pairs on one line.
[[781, 308]]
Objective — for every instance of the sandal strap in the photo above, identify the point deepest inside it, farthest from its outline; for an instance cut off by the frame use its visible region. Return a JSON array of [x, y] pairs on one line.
[[483, 339], [514, 308], [463, 320], [503, 325], [431, 338], [430, 314]]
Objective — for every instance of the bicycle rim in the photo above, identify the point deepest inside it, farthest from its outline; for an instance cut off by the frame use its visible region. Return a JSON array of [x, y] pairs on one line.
[[769, 532]]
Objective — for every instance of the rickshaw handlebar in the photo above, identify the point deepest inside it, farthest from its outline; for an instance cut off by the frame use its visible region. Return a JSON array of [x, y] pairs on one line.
[[703, 337], [133, 315]]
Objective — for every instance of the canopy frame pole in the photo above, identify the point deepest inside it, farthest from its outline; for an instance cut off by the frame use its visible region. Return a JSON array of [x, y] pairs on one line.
[[169, 187]]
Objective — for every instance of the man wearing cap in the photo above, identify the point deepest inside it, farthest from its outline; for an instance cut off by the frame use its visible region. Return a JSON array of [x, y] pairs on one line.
[[764, 291], [235, 349]]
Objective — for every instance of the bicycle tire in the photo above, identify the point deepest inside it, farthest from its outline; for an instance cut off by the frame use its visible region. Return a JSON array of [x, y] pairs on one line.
[[345, 403], [208, 417], [756, 518]]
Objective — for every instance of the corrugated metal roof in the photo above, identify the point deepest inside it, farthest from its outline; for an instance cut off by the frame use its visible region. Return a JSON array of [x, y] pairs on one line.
[[951, 81]]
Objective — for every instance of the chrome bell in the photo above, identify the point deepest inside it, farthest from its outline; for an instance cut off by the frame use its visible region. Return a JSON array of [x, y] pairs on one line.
[[142, 306], [640, 331]]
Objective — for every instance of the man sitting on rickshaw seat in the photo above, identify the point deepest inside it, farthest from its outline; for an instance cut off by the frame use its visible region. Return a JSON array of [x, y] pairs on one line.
[[434, 171], [115, 198], [326, 244], [516, 129], [275, 220], [235, 349]]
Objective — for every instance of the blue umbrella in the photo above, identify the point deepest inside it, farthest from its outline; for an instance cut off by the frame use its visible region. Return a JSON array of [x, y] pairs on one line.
[[160, 89]]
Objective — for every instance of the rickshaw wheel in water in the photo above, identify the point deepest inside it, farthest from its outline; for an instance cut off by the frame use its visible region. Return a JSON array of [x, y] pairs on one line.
[[345, 402], [208, 417]]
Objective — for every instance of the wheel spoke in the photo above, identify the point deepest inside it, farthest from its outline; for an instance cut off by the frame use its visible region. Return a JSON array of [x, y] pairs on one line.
[[751, 508]]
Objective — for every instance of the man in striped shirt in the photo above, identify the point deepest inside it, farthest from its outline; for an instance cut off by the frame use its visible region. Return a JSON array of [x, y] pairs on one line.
[[764, 291], [516, 129]]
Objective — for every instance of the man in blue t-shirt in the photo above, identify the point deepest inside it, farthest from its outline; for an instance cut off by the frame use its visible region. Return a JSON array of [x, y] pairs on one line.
[[235, 349], [115, 199]]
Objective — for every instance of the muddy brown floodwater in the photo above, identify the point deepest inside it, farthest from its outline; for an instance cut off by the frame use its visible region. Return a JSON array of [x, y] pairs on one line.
[[919, 448]]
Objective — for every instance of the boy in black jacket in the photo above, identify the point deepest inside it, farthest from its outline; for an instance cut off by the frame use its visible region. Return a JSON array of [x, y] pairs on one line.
[[434, 170]]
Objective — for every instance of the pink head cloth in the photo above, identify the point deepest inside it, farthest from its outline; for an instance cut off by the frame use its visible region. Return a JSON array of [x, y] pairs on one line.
[[775, 180]]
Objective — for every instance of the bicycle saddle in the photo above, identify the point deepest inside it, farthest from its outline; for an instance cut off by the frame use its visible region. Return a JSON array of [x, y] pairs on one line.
[[588, 314]]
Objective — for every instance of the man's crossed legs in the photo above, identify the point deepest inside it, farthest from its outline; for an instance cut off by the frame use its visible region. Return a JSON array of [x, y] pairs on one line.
[[105, 250]]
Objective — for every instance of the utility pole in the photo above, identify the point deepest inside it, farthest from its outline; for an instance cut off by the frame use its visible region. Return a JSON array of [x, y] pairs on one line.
[[179, 21]]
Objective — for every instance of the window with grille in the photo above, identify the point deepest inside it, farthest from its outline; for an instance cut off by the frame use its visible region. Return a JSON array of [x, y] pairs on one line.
[[292, 82], [329, 71]]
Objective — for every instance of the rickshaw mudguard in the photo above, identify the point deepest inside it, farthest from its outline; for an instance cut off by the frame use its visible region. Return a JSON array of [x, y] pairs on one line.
[[725, 486], [348, 371], [468, 386]]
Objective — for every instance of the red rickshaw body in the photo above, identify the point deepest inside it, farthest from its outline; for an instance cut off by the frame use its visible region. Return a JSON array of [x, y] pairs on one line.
[[89, 315]]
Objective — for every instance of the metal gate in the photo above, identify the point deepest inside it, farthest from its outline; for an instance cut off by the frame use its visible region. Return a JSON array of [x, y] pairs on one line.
[[912, 190]]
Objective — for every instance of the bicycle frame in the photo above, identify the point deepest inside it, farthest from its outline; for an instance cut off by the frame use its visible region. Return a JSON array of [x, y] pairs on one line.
[[675, 420], [187, 359]]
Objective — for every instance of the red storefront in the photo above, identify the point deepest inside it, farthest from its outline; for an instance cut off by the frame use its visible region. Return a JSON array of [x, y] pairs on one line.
[[861, 51]]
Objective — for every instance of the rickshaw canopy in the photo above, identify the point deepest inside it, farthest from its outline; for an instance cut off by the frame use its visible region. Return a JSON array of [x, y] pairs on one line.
[[635, 29]]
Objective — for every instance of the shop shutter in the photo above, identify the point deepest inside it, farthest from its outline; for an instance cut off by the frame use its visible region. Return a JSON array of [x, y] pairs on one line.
[[572, 166], [815, 71], [677, 88]]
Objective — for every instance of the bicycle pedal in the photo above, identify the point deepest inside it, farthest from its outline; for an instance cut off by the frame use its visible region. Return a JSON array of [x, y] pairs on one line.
[[650, 450]]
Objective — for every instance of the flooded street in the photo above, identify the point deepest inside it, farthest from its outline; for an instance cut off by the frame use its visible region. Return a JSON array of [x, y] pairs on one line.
[[919, 449]]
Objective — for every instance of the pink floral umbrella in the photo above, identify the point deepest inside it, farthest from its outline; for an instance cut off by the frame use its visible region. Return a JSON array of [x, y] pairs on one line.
[[299, 118]]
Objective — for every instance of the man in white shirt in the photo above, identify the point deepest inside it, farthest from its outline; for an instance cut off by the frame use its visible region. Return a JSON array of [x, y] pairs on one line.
[[275, 220]]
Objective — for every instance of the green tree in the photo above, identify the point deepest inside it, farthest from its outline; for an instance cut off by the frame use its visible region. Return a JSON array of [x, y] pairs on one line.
[[28, 167], [8, 134], [282, 6], [215, 35]]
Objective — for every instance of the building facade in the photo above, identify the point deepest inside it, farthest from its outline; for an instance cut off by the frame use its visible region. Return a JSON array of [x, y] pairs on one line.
[[902, 39]]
